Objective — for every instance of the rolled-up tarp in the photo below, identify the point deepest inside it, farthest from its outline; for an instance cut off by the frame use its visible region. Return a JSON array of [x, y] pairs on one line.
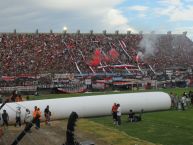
[[91, 106]]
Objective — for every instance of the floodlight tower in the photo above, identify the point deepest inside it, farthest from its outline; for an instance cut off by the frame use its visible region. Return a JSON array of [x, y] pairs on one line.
[[65, 29], [128, 31]]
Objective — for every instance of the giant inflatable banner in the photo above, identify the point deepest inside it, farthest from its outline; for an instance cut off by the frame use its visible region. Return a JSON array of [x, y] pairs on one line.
[[92, 106]]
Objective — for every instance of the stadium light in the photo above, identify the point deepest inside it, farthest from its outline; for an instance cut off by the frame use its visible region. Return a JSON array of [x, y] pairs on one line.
[[65, 29], [129, 29], [128, 32]]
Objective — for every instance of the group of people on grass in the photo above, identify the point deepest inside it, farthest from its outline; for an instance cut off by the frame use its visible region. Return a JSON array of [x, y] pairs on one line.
[[116, 113], [29, 117], [181, 102], [15, 97]]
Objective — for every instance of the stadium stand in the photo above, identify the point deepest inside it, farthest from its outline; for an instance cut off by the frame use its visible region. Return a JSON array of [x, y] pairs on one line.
[[83, 53], [29, 56]]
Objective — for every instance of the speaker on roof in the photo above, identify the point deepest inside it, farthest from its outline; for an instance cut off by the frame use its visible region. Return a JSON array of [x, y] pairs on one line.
[[128, 32], [117, 32], [169, 32], [185, 33], [78, 32], [14, 31], [36, 31], [91, 32], [104, 32]]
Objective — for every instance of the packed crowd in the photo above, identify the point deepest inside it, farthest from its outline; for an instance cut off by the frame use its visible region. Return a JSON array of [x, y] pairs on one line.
[[172, 51], [84, 53]]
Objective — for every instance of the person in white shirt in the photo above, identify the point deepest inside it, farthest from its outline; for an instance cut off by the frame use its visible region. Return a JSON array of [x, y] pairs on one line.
[[28, 118], [183, 102], [118, 114], [18, 117]]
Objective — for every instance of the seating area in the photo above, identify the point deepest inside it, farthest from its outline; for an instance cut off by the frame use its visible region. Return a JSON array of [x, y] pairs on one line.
[[90, 53]]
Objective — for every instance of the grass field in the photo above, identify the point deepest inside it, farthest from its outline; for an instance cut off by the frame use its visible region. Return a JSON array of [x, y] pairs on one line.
[[178, 91], [170, 127], [167, 128]]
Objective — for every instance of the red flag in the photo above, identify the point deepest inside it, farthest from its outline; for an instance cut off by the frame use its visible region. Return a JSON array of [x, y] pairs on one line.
[[113, 53]]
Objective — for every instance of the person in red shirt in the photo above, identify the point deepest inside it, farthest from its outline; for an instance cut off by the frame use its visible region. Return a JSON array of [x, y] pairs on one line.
[[38, 118], [114, 113]]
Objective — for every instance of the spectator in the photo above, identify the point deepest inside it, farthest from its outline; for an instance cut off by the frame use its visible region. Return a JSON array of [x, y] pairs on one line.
[[183, 102], [118, 114], [47, 52], [28, 119], [131, 115], [38, 118], [18, 117], [114, 112], [5, 118], [47, 115]]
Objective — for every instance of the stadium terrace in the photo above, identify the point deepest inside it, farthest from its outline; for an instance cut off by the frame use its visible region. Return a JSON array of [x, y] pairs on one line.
[[53, 59]]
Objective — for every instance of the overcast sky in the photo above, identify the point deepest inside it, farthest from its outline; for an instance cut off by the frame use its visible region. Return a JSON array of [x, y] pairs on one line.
[[135, 15]]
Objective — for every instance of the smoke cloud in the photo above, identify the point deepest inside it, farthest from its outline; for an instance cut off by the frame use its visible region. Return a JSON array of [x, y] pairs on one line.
[[148, 44]]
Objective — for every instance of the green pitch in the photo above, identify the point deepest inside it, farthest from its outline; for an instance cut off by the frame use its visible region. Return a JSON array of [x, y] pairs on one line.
[[167, 128], [170, 127]]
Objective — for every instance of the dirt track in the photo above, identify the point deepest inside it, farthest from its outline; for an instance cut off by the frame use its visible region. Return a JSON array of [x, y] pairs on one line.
[[85, 130], [47, 135]]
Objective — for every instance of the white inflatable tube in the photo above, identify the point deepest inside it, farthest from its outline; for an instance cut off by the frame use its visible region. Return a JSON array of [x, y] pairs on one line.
[[91, 106]]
